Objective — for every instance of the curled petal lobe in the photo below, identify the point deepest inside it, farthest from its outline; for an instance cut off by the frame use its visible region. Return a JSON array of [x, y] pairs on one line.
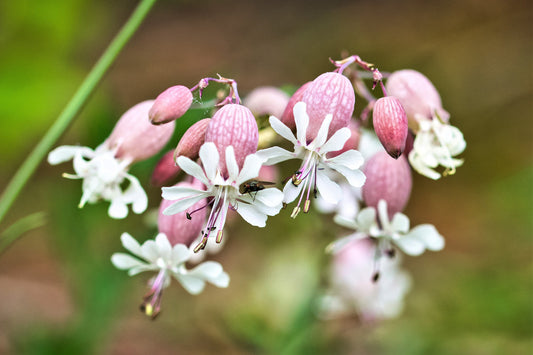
[[124, 261], [192, 284], [328, 189], [282, 130], [67, 152], [337, 141]]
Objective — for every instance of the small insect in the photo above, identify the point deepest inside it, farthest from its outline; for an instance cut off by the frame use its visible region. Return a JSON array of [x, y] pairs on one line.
[[254, 186]]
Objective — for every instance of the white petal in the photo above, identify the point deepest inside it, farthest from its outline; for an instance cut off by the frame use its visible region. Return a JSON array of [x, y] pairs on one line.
[[366, 218], [67, 152], [266, 209], [221, 280], [135, 194], [207, 270], [322, 133], [302, 121], [338, 245], [352, 159], [291, 192], [179, 192], [345, 222], [274, 155], [282, 130], [163, 246], [409, 245], [428, 235], [231, 163], [117, 209], [81, 166], [383, 214], [180, 254], [328, 189], [337, 141], [193, 169], [124, 261], [252, 215], [271, 197], [130, 244], [400, 223], [192, 284], [355, 177], [421, 168], [141, 268], [210, 158], [250, 168], [183, 204], [150, 251]]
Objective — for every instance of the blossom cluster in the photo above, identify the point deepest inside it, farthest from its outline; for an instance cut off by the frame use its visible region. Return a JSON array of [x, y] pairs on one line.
[[360, 169]]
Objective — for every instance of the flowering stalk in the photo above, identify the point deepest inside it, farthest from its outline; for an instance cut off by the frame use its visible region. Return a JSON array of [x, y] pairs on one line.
[[81, 96]]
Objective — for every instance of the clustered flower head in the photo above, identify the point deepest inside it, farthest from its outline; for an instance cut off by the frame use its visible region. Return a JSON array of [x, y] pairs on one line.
[[358, 168]]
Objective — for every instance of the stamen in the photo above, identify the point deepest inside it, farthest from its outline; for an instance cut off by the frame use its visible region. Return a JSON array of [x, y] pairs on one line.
[[219, 236], [189, 214], [151, 305], [307, 204], [201, 245], [295, 212]]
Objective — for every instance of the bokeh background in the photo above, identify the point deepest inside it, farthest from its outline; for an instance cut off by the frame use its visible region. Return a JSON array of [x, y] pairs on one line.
[[59, 291]]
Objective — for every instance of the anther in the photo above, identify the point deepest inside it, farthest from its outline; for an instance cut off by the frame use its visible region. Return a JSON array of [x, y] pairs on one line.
[[307, 204], [200, 245], [219, 236], [295, 212]]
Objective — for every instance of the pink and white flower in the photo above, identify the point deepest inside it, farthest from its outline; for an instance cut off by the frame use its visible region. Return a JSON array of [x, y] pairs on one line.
[[224, 193], [312, 177]]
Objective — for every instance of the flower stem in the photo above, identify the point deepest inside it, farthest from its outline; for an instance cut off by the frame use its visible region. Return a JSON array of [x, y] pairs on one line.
[[20, 227], [73, 107]]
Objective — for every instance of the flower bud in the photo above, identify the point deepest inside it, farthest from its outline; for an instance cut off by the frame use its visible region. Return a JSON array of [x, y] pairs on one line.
[[266, 100], [135, 137], [330, 93], [390, 125], [191, 141], [170, 104], [388, 179], [165, 171], [419, 98], [233, 125], [177, 227], [288, 115], [352, 142]]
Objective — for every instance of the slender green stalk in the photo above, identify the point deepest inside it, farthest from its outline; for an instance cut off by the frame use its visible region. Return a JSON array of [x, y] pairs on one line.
[[31, 163], [20, 227]]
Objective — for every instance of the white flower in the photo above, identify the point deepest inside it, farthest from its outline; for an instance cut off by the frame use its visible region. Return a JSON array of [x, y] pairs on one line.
[[312, 177], [368, 224], [169, 261], [254, 208], [102, 175], [436, 144], [353, 288]]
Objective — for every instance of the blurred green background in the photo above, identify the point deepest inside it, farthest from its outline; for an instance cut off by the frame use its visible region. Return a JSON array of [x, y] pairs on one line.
[[60, 293]]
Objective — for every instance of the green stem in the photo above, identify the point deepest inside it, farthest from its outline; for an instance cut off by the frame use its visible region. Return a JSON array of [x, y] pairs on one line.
[[73, 107], [20, 227]]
